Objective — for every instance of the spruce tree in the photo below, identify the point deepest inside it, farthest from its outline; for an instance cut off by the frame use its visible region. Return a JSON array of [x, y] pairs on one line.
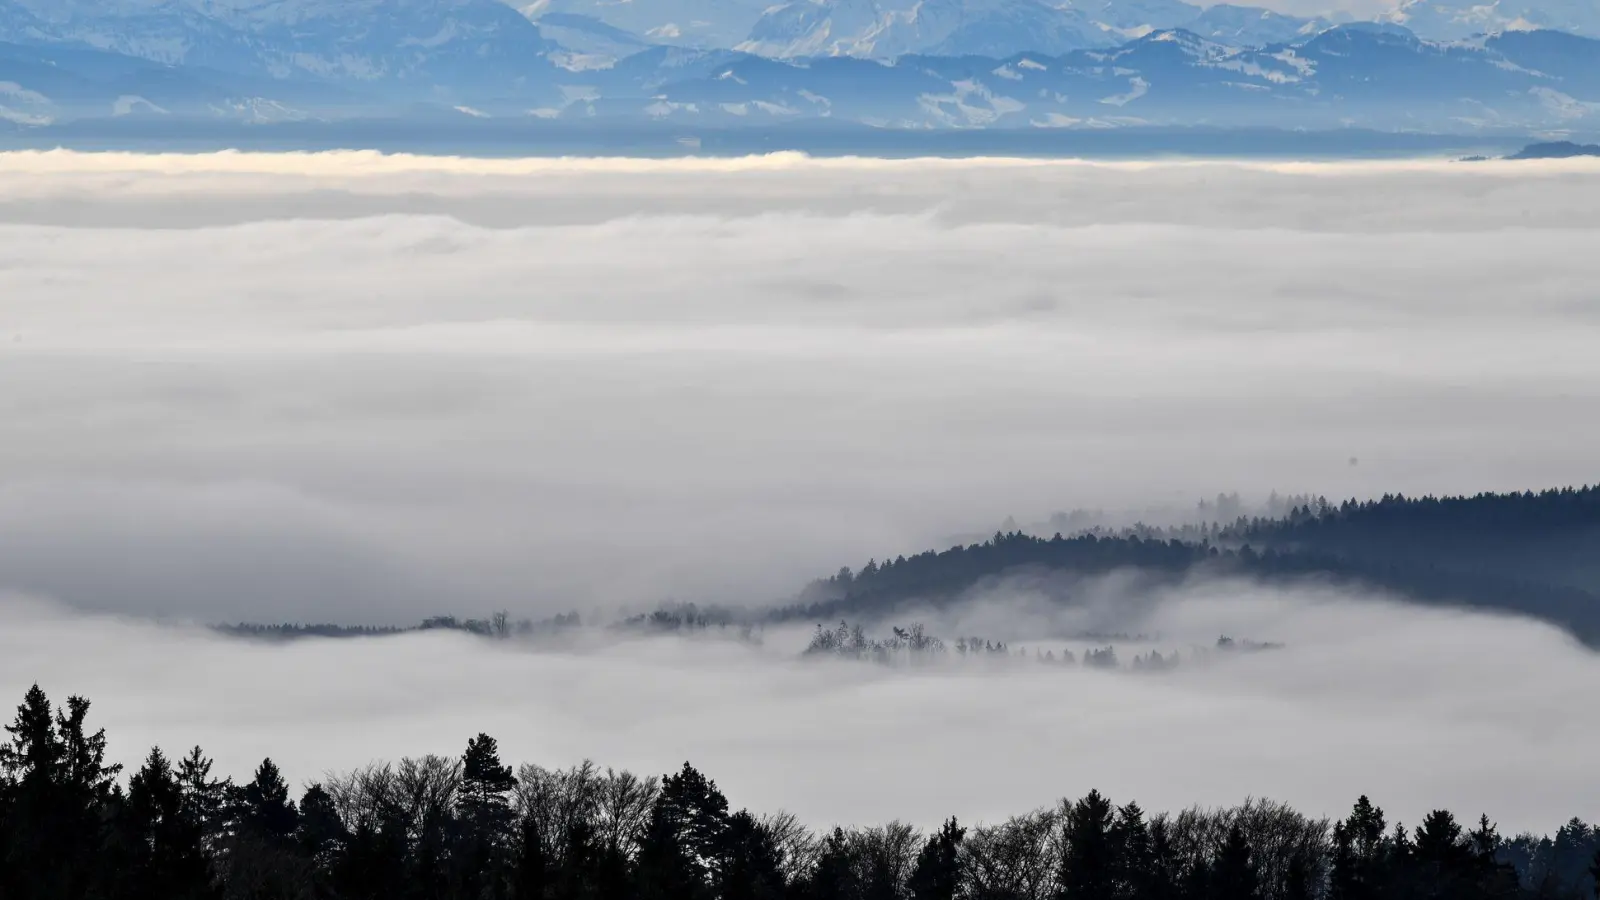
[[1090, 859], [937, 875], [166, 843], [59, 790], [1233, 874], [484, 812], [749, 865], [265, 811], [205, 799]]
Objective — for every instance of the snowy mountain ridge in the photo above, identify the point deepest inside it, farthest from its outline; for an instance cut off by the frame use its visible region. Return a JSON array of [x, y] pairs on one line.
[[950, 64]]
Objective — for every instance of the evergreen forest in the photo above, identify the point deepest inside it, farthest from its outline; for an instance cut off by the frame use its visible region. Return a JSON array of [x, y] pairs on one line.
[[75, 827]]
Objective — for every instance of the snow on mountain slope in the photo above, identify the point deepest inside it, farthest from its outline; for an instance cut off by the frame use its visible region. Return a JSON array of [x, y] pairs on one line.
[[867, 28], [688, 23], [1136, 18], [1249, 26], [587, 42], [458, 43], [1016, 25], [1363, 75], [956, 63], [1448, 19]]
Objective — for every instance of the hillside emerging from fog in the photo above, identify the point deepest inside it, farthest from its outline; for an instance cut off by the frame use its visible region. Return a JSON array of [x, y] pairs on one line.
[[1534, 554], [1528, 554]]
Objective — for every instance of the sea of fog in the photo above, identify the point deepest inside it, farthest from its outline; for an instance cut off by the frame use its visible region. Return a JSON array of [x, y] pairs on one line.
[[359, 388], [1418, 709]]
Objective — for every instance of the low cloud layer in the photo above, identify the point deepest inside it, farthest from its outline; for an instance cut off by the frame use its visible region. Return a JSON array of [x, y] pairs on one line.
[[1419, 709], [366, 389]]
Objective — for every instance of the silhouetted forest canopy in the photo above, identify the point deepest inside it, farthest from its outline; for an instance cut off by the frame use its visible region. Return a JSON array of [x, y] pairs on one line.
[[474, 827], [1533, 554]]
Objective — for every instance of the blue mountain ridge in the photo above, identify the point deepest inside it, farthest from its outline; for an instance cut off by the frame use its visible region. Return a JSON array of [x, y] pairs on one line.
[[276, 60]]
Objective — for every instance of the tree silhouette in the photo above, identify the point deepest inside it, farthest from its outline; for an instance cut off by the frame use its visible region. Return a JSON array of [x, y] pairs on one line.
[[1233, 875], [1090, 859], [937, 875], [441, 829], [165, 843]]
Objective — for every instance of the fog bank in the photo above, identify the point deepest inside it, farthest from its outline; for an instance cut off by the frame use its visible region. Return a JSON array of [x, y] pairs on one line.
[[1418, 709], [367, 389]]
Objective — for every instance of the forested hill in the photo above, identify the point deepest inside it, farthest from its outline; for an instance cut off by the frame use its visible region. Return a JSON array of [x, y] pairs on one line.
[[1536, 554], [1533, 554], [1552, 537]]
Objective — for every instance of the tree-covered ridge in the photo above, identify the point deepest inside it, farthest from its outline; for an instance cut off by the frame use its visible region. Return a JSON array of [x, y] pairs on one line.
[[476, 828], [1550, 537], [1529, 553]]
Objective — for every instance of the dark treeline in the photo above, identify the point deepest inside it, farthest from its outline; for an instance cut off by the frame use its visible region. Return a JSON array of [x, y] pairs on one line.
[[677, 618], [1551, 537], [470, 828], [1534, 554], [499, 625]]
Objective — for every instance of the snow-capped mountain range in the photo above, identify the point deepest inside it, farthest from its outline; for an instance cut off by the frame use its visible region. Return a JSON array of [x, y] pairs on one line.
[[1436, 65]]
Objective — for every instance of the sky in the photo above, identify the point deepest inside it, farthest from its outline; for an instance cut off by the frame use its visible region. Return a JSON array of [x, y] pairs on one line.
[[360, 389]]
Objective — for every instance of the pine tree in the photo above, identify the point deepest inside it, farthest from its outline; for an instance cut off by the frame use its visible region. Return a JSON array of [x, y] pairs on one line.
[[1089, 860], [937, 875], [1492, 877], [484, 811], [1360, 855], [167, 854], [749, 866], [58, 789], [486, 784], [205, 799], [833, 876], [1130, 837], [686, 831], [1233, 875], [322, 833], [265, 811]]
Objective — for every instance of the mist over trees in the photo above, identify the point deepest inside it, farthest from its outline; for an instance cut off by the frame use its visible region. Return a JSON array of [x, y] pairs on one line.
[[475, 826], [1532, 554], [1535, 554]]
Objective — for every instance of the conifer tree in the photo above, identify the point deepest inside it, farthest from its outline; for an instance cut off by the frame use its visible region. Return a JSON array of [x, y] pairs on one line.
[[1089, 860], [167, 858], [748, 869], [484, 811], [1233, 874], [205, 799], [937, 875], [264, 809]]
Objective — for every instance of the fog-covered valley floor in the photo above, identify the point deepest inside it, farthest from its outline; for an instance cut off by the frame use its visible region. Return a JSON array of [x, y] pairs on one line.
[[361, 389], [1418, 709]]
